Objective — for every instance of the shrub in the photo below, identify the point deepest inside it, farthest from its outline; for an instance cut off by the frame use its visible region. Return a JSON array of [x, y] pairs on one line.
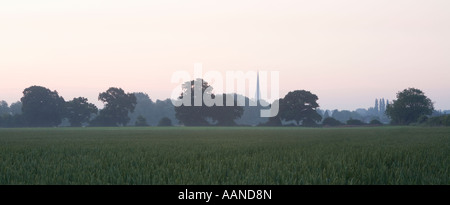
[[355, 122], [375, 122], [141, 121], [443, 120], [329, 121], [422, 119], [165, 122]]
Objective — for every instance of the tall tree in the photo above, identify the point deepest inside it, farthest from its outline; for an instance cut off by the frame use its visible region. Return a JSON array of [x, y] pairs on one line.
[[42, 107], [191, 115], [226, 115], [164, 108], [272, 122], [152, 111], [141, 121], [79, 111], [4, 108], [16, 108], [410, 105], [382, 106], [118, 105], [345, 115], [300, 106], [145, 107], [376, 106], [4, 113], [165, 122], [326, 114], [200, 115]]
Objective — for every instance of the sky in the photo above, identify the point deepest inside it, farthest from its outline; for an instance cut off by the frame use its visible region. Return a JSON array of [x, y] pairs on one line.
[[347, 52]]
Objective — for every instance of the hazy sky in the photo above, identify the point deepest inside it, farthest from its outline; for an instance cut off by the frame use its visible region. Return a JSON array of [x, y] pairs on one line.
[[348, 52]]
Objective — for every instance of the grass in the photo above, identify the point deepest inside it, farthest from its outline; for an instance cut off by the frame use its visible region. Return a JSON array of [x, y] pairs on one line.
[[241, 155]]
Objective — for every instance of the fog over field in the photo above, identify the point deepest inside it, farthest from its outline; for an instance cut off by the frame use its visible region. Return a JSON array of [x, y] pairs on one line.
[[347, 52]]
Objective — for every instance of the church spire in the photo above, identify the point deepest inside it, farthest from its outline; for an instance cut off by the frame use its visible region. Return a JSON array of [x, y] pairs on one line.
[[258, 93]]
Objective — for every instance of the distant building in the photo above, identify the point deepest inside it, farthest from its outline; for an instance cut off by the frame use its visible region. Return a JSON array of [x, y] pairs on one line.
[[258, 91]]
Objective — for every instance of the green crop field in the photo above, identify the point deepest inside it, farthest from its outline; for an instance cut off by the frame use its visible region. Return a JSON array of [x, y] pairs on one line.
[[249, 156]]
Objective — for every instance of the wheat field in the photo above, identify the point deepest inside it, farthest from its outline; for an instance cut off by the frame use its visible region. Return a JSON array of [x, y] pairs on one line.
[[225, 156]]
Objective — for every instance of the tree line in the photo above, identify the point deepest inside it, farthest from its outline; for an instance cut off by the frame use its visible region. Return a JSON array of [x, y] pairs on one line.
[[41, 107]]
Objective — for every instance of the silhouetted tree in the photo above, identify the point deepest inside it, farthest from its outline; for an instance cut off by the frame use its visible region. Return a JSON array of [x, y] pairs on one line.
[[382, 106], [42, 107], [329, 121], [326, 114], [164, 108], [199, 115], [411, 103], [144, 107], [152, 111], [12, 121], [355, 122], [141, 121], [252, 114], [225, 115], [320, 112], [4, 108], [11, 116], [118, 105], [272, 122], [443, 120], [194, 115], [422, 119], [308, 122], [376, 106], [375, 122], [16, 108], [300, 106], [165, 122], [345, 115], [79, 111]]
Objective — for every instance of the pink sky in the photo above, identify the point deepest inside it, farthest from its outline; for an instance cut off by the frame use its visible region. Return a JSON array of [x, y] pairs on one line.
[[347, 52]]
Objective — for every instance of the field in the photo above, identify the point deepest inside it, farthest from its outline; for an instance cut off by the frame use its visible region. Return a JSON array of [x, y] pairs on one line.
[[249, 156]]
